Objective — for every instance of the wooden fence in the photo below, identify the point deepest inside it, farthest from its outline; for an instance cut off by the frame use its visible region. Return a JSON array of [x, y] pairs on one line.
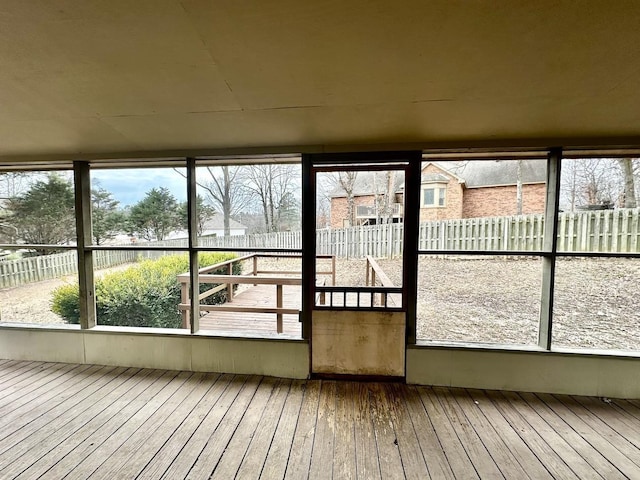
[[592, 231]]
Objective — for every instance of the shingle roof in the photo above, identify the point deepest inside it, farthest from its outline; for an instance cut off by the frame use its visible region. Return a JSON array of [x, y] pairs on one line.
[[488, 173]]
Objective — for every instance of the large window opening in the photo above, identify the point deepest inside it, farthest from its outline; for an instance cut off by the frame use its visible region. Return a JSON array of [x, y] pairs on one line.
[[475, 284], [38, 233], [514, 254]]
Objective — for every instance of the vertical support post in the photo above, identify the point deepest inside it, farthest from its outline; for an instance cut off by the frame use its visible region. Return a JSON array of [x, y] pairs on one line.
[[550, 240], [366, 275], [412, 176], [194, 264], [82, 183], [279, 305], [230, 285], [333, 270], [255, 266], [308, 243], [185, 300]]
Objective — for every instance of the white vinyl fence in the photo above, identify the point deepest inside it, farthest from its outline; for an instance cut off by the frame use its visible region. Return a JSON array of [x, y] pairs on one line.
[[595, 231]]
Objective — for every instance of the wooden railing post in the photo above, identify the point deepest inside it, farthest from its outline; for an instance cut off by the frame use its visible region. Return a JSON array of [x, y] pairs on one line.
[[230, 285], [184, 299], [333, 270], [366, 275], [279, 305], [255, 267]]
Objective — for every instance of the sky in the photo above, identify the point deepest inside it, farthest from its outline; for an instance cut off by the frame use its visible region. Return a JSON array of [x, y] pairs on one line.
[[129, 186]]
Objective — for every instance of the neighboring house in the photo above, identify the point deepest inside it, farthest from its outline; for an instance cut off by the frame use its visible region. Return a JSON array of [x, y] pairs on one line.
[[368, 195], [465, 189], [480, 188], [214, 226]]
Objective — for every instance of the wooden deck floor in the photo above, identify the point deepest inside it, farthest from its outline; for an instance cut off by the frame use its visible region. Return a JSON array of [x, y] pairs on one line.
[[257, 324], [72, 421]]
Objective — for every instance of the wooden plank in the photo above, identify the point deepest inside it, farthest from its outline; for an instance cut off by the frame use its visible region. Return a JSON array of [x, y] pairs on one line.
[[324, 437], [275, 464], [172, 448], [193, 448], [71, 443], [411, 455], [217, 444], [606, 442], [529, 449], [427, 439], [44, 399], [16, 369], [20, 425], [606, 419], [9, 396], [25, 442], [156, 439], [386, 436], [61, 465], [105, 451], [300, 457], [238, 446], [138, 424], [261, 280], [504, 445], [141, 444], [344, 449], [451, 443], [262, 440], [612, 412], [223, 308], [476, 450], [569, 451]]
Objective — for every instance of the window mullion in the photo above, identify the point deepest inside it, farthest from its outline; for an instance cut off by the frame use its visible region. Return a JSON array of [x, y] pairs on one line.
[[82, 194], [549, 247], [192, 225]]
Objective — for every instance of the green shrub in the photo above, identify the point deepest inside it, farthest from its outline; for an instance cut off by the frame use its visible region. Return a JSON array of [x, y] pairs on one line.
[[144, 295]]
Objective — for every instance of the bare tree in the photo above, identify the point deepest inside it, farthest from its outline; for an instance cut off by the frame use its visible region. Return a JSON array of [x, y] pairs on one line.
[[347, 181], [519, 188], [274, 187], [628, 175], [589, 182], [13, 184], [224, 190]]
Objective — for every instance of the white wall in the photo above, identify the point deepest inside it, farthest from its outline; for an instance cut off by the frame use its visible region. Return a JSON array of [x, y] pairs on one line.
[[535, 371], [564, 373], [172, 351]]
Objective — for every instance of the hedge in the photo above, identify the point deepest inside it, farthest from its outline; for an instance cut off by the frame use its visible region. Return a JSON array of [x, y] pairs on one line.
[[146, 294]]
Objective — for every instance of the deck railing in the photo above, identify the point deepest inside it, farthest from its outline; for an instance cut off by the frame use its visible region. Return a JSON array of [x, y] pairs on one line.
[[385, 296], [257, 276]]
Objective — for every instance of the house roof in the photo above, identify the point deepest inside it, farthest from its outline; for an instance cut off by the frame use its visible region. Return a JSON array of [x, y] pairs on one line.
[[489, 173], [216, 222], [125, 79]]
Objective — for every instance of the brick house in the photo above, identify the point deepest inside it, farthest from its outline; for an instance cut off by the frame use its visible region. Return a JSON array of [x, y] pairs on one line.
[[468, 189], [480, 188]]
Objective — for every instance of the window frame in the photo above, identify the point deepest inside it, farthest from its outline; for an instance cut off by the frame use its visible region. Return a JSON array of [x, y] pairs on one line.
[[439, 194]]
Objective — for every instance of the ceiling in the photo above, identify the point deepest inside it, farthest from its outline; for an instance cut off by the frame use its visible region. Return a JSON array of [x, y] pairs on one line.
[[100, 78]]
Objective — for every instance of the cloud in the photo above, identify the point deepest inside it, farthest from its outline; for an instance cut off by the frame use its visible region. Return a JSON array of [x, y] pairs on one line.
[[129, 186]]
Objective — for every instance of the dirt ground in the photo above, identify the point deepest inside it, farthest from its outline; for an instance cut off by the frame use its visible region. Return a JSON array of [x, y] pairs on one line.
[[494, 300]]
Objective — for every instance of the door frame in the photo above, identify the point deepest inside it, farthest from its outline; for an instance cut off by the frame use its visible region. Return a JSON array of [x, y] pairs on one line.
[[408, 161]]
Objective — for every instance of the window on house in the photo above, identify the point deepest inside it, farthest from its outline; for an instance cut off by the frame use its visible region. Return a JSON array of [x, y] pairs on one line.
[[434, 196]]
